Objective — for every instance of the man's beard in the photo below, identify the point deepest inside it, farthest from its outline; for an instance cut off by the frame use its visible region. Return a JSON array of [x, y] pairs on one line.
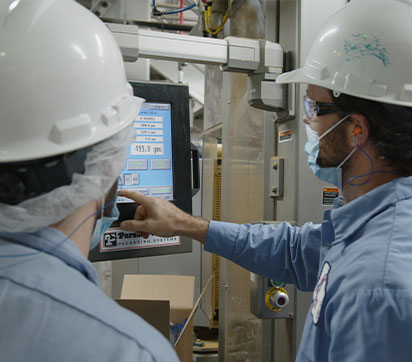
[[333, 148]]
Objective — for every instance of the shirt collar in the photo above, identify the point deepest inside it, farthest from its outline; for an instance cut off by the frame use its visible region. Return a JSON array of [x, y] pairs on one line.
[[46, 239], [349, 218]]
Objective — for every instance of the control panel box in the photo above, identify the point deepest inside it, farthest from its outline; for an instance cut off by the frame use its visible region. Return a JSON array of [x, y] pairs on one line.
[[271, 299]]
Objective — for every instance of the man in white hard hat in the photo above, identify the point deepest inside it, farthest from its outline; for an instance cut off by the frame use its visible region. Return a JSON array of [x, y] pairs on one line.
[[66, 115], [358, 262]]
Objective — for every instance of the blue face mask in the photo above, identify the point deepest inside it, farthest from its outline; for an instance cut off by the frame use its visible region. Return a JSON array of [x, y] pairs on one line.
[[332, 175], [103, 224]]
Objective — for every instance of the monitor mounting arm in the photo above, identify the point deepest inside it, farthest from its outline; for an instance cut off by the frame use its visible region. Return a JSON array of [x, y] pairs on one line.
[[262, 60]]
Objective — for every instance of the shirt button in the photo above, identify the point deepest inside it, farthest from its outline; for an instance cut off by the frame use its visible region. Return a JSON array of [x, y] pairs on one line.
[[341, 202], [327, 245]]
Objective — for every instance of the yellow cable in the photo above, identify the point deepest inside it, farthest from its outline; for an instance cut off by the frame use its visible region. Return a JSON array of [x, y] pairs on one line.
[[226, 17], [208, 20], [208, 16]]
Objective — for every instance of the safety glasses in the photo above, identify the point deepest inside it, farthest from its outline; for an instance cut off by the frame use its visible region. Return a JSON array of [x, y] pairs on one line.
[[315, 109]]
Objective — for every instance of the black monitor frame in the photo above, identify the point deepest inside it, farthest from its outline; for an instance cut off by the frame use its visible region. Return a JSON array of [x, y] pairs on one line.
[[178, 97]]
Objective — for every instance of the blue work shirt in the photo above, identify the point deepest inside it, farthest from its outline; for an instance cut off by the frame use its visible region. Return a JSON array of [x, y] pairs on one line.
[[52, 309], [358, 263]]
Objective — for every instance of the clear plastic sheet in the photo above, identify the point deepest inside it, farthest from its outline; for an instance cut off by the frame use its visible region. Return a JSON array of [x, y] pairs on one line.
[[242, 196]]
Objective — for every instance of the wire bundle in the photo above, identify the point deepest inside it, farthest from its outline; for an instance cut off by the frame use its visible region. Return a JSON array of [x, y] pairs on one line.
[[213, 30]]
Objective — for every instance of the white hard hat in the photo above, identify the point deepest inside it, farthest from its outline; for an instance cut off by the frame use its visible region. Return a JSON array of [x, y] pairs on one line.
[[62, 80], [363, 50]]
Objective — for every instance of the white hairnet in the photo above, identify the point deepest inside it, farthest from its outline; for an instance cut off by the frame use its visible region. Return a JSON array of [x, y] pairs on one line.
[[102, 166]]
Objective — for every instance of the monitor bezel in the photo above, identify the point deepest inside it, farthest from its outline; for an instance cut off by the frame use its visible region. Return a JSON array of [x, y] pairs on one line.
[[178, 98]]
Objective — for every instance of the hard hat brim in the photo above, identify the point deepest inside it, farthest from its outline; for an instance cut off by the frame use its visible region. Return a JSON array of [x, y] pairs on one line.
[[296, 76]]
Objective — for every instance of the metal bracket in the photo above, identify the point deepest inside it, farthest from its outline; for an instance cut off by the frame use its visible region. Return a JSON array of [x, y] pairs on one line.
[[277, 171], [101, 7], [283, 116], [243, 55]]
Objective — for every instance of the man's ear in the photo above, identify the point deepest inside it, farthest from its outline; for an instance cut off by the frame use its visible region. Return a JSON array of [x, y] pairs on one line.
[[359, 129]]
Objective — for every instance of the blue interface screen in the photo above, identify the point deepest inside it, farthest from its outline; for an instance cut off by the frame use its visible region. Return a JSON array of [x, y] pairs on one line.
[[148, 168]]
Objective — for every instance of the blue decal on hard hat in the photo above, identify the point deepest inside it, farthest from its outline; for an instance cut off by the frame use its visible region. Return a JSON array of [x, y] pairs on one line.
[[363, 45]]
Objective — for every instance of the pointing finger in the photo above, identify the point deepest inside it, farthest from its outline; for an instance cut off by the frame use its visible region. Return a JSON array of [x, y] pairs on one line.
[[133, 195]]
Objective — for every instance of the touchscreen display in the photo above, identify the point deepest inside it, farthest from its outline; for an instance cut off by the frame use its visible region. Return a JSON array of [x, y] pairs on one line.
[[148, 168]]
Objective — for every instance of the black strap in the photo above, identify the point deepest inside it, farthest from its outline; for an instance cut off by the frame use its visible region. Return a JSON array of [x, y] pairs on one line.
[[24, 180]]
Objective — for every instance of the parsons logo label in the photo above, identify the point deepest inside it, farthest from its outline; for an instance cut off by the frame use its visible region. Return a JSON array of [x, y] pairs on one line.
[[110, 239], [117, 239], [128, 235]]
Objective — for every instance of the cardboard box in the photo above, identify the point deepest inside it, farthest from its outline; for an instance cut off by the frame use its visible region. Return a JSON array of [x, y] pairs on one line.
[[159, 299]]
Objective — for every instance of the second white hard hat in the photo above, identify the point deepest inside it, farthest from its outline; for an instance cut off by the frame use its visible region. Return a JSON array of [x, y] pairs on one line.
[[62, 80], [363, 50]]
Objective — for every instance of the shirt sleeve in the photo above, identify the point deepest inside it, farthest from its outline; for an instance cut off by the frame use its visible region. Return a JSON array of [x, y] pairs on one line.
[[285, 253], [371, 325]]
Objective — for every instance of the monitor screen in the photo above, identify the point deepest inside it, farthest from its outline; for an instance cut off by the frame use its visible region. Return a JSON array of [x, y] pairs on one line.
[[158, 164], [149, 165]]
